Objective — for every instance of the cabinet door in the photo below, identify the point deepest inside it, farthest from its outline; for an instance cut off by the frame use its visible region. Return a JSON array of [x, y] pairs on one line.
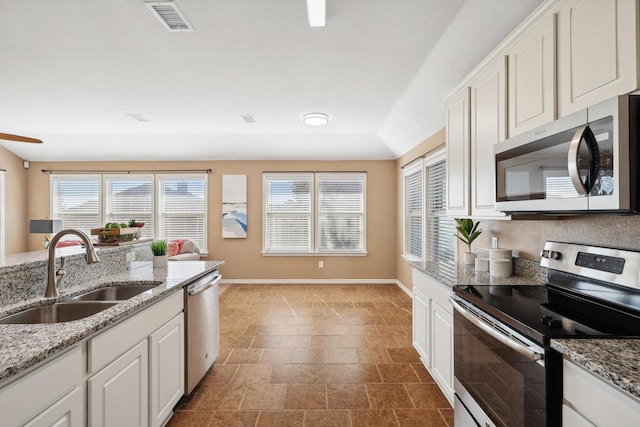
[[166, 369], [458, 154], [597, 52], [66, 412], [442, 348], [488, 126], [421, 325], [119, 393], [571, 418], [532, 77]]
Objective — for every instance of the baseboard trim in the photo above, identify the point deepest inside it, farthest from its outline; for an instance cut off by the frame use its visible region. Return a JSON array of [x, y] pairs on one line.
[[318, 282], [309, 281]]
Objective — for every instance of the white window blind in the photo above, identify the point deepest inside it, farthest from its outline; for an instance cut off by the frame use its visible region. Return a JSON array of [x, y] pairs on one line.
[[439, 230], [287, 212], [129, 197], [75, 199], [182, 208], [413, 223], [341, 212]]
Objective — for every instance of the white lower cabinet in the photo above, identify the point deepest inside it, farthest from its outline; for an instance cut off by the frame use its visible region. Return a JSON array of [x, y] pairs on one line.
[[590, 401], [421, 324], [442, 353], [166, 370], [66, 412], [433, 329], [131, 374], [119, 393]]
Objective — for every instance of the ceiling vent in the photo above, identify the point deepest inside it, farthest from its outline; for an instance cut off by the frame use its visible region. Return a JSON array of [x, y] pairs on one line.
[[248, 118], [169, 15]]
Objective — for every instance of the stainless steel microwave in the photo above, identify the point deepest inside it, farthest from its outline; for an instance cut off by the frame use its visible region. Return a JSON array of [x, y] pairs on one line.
[[587, 162]]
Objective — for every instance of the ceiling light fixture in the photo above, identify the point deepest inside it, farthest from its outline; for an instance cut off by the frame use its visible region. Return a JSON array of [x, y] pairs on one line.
[[315, 119], [317, 13]]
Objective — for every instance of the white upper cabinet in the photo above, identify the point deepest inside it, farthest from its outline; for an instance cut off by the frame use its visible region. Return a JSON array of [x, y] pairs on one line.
[[488, 126], [458, 154], [597, 51], [532, 77]]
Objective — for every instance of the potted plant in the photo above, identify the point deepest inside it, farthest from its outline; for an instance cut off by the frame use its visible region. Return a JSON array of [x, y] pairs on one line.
[[467, 233], [159, 249]]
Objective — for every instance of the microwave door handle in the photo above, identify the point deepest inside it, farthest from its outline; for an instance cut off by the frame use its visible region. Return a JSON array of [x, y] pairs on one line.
[[574, 172]]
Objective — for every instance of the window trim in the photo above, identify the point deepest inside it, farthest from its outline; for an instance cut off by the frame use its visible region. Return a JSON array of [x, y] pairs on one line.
[[416, 166], [315, 229]]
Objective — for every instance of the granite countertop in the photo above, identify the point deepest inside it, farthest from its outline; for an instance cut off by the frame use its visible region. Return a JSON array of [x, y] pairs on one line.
[[526, 273], [613, 360], [24, 346]]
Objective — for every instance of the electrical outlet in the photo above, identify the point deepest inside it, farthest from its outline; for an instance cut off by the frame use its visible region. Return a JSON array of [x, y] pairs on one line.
[[130, 256], [320, 264], [494, 242]]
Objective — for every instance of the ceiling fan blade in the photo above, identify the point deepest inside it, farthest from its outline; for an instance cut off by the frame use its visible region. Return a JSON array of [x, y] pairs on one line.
[[10, 137]]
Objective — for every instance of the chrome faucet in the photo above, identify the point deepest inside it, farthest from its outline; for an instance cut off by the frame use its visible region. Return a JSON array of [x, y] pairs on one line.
[[53, 278]]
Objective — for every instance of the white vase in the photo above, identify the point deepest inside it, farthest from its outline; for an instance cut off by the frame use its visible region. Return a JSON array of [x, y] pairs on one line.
[[160, 261], [469, 258]]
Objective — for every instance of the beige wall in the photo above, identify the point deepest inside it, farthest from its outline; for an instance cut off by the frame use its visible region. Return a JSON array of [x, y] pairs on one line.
[[243, 256], [436, 141], [16, 186]]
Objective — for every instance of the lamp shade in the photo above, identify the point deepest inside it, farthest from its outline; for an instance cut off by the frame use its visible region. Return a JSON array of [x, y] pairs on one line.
[[45, 226]]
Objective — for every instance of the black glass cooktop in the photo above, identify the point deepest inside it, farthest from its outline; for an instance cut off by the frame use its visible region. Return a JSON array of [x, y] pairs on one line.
[[550, 311]]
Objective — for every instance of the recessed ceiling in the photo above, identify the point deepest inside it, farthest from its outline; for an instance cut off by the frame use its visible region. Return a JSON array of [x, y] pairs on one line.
[[74, 73]]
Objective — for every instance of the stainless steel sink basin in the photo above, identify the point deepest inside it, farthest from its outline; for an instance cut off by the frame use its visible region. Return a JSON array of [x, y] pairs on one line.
[[114, 293], [58, 312]]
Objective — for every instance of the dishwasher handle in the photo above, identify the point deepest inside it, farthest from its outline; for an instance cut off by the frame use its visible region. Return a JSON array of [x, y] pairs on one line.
[[198, 289]]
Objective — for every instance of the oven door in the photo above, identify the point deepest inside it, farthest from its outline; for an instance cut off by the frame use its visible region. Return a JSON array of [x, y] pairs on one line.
[[499, 374]]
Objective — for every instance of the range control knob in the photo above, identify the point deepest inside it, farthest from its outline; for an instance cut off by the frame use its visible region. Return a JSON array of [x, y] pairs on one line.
[[545, 253]]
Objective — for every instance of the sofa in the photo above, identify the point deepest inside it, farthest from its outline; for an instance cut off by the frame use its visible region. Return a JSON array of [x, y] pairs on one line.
[[182, 250]]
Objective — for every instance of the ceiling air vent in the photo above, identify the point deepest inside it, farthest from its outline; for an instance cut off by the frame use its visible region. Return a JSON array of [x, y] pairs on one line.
[[169, 15], [248, 118]]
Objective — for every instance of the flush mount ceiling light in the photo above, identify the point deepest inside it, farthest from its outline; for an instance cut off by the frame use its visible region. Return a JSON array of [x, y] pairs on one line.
[[315, 119], [317, 13]]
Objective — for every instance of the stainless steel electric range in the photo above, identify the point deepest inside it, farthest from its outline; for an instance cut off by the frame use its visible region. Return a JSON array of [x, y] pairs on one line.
[[506, 373]]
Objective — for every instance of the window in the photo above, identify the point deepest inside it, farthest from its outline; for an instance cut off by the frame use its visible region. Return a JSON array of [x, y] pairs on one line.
[[413, 224], [439, 230], [75, 199], [129, 197], [310, 213], [182, 208], [428, 233], [172, 206]]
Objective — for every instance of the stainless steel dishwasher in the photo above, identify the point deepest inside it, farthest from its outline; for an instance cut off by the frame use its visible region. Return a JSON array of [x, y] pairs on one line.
[[203, 327]]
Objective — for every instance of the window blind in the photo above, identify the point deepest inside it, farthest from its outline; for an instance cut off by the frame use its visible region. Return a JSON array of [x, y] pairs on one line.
[[341, 212], [130, 197], [413, 224], [182, 208], [287, 212], [439, 230], [75, 199]]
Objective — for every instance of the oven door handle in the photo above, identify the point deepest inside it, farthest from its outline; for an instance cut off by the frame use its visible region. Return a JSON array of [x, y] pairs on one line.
[[517, 346]]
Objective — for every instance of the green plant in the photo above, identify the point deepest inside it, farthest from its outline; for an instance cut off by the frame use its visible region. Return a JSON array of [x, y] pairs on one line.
[[132, 223], [467, 231], [159, 247]]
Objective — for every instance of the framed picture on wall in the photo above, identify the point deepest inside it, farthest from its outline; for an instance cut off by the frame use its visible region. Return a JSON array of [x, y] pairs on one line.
[[234, 206]]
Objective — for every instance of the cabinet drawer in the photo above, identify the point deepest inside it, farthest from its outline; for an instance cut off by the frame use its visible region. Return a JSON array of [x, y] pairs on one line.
[[599, 402], [113, 342], [35, 392], [433, 289]]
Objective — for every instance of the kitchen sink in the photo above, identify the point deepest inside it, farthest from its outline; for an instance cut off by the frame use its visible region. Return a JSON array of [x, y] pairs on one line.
[[58, 312], [115, 293]]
